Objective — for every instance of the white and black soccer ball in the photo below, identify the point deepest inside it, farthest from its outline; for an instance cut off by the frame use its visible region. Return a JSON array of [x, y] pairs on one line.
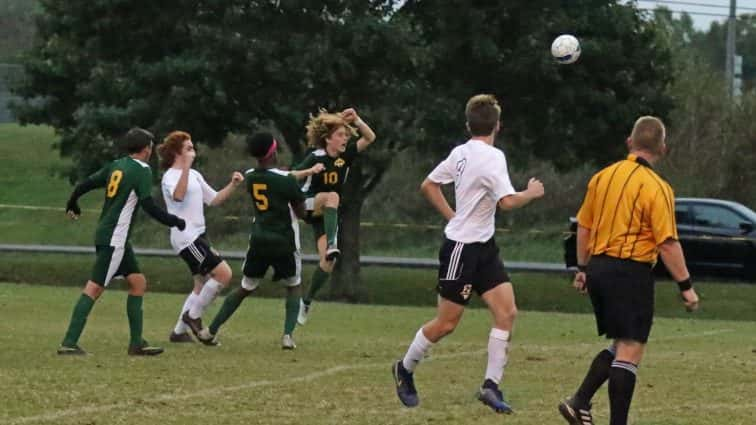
[[565, 49]]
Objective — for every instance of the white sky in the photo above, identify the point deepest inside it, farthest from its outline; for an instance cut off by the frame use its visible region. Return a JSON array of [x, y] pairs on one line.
[[702, 22]]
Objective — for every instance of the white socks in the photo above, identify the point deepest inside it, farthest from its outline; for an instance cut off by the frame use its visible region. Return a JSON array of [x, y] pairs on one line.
[[206, 297], [180, 325], [498, 345], [416, 351]]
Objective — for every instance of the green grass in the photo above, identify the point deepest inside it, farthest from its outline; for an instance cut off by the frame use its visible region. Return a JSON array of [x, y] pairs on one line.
[[391, 286], [339, 373]]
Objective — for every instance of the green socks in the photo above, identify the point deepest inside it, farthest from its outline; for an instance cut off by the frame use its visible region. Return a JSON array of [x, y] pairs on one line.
[[319, 278], [331, 222], [134, 312], [232, 302], [78, 320], [292, 311]]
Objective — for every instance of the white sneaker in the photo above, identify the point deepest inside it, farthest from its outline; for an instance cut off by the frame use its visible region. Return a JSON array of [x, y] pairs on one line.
[[304, 311], [287, 342]]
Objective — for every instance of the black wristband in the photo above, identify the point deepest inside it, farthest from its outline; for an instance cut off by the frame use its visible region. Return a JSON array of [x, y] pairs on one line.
[[684, 285], [582, 269]]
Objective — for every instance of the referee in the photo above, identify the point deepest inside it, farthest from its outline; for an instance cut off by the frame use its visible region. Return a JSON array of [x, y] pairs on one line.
[[627, 219]]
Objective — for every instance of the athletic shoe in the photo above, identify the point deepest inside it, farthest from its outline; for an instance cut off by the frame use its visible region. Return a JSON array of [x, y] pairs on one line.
[[574, 414], [304, 311], [71, 351], [405, 385], [207, 338], [287, 342], [332, 253], [182, 337], [490, 395], [144, 349], [195, 325]]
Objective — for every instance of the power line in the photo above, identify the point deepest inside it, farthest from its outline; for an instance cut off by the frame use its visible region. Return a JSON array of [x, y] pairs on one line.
[[696, 4], [717, 15]]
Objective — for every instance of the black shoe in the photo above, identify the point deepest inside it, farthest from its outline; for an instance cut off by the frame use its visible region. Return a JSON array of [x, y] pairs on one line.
[[144, 349], [575, 414], [491, 396], [71, 351], [195, 325], [183, 337], [405, 385], [332, 253]]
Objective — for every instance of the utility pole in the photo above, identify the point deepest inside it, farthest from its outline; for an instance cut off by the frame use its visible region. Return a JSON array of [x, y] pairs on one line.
[[730, 58]]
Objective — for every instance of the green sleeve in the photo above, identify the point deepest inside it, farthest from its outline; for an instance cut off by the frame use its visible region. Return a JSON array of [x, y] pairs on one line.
[[295, 193], [306, 163], [351, 153], [144, 184]]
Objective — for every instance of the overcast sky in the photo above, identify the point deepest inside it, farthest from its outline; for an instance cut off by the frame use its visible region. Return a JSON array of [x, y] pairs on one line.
[[701, 18]]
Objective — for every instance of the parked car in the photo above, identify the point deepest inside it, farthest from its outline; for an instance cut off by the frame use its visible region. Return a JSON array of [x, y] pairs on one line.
[[718, 238]]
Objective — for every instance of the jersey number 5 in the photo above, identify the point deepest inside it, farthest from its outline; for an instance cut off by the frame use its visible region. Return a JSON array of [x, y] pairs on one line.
[[115, 180], [261, 200], [331, 177]]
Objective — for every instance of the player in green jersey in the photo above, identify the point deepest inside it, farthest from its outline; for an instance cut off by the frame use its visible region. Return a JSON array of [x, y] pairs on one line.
[[128, 183], [274, 238], [328, 134]]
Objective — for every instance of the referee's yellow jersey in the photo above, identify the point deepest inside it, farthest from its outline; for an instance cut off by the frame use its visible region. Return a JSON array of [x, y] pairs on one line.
[[630, 210]]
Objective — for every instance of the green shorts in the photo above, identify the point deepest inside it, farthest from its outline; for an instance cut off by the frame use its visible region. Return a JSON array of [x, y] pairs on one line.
[[287, 268], [113, 261]]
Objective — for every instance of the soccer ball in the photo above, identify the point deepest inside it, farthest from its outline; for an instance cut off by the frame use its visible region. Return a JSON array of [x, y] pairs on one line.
[[565, 49]]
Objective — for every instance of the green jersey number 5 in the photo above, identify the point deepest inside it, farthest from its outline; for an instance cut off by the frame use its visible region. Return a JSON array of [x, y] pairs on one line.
[[261, 200]]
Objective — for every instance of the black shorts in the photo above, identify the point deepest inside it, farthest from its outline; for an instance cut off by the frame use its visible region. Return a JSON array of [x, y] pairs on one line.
[[200, 256], [622, 294], [468, 267]]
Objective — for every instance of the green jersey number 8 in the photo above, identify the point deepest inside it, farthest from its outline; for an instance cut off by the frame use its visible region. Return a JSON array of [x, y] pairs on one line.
[[115, 180]]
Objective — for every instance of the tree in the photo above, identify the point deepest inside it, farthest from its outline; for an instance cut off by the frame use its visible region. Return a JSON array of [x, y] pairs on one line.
[[563, 114]]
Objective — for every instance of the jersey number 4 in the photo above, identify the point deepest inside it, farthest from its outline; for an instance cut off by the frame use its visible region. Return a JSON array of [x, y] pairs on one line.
[[261, 200], [115, 179]]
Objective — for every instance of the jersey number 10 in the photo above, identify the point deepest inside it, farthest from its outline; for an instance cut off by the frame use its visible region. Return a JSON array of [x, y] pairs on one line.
[[261, 200], [331, 177]]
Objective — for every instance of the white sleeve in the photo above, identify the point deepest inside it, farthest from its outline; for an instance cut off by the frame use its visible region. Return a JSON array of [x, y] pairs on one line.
[[168, 184], [445, 171], [501, 186], [208, 193]]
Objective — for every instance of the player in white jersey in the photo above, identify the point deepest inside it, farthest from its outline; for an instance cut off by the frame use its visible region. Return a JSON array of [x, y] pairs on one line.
[[186, 192], [469, 258]]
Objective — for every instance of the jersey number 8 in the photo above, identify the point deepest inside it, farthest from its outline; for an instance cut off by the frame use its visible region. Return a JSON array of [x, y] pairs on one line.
[[115, 180], [261, 200]]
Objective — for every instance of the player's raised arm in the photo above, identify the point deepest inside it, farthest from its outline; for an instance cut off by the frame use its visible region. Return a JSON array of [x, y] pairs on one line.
[[92, 182], [367, 135], [236, 179], [300, 174], [520, 199]]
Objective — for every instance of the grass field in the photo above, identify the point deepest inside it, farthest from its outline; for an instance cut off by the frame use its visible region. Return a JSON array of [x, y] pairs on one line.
[[339, 374]]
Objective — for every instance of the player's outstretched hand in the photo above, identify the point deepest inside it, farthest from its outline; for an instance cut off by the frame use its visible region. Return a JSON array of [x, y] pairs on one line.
[[579, 283], [237, 178], [690, 299], [535, 188], [317, 168], [72, 209], [180, 224]]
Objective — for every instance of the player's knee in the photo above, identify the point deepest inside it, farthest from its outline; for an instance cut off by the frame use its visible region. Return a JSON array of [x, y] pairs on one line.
[[137, 284], [222, 273], [332, 199]]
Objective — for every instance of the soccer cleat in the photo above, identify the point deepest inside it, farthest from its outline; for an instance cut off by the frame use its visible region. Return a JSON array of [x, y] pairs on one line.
[[491, 396], [182, 337], [574, 414], [304, 311], [287, 342], [332, 253], [405, 385], [71, 351], [195, 325], [144, 349], [207, 338]]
